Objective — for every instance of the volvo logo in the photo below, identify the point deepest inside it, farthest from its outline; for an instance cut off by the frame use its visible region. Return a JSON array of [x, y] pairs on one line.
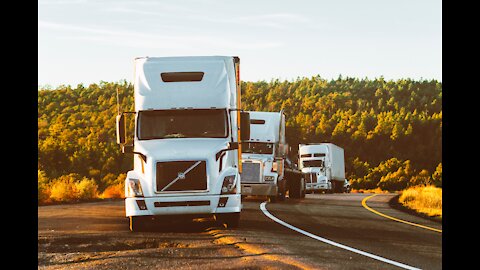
[[181, 175]]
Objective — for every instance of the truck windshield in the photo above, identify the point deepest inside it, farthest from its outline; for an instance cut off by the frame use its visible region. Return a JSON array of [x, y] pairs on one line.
[[257, 148], [313, 163], [164, 124]]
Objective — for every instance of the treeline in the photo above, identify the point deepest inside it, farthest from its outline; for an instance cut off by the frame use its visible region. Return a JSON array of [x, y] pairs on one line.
[[375, 121]]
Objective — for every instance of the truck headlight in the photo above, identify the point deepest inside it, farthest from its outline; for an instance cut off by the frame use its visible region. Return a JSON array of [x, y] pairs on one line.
[[228, 186], [134, 188], [269, 178], [274, 166]]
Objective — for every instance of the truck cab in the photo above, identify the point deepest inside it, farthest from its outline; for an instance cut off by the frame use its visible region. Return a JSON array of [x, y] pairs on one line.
[[186, 142], [263, 156]]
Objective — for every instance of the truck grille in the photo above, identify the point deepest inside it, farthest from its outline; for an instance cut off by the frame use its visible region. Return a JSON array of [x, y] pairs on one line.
[[310, 178], [181, 176], [251, 172]]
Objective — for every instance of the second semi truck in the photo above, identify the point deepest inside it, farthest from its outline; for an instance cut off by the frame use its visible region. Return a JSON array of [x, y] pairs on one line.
[[267, 170]]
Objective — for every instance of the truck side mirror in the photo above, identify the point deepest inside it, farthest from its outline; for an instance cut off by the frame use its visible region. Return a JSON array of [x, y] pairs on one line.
[[121, 130], [245, 126], [127, 148]]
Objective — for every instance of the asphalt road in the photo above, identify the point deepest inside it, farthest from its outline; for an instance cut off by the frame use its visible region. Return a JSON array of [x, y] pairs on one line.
[[96, 236]]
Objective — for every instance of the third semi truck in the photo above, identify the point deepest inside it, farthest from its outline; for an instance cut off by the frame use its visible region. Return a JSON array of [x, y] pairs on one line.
[[323, 166]]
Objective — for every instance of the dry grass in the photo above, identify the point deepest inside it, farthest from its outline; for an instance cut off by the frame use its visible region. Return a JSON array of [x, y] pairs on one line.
[[376, 191], [115, 191], [423, 199], [67, 189]]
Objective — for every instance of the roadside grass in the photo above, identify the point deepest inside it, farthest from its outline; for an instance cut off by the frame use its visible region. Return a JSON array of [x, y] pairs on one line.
[[73, 189], [113, 192], [376, 191], [423, 199]]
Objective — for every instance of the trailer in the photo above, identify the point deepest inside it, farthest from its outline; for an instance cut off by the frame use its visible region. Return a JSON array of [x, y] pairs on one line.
[[187, 142]]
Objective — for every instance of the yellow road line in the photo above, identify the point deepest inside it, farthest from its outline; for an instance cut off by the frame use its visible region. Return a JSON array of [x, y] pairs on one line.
[[364, 203]]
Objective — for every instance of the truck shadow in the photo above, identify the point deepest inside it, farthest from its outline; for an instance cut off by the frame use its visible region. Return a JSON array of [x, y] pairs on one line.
[[182, 225]]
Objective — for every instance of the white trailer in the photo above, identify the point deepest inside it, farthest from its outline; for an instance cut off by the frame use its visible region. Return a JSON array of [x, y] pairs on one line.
[[187, 141], [323, 166]]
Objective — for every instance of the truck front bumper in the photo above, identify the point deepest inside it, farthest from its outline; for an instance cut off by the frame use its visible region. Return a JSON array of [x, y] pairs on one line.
[[264, 189], [180, 205], [318, 186]]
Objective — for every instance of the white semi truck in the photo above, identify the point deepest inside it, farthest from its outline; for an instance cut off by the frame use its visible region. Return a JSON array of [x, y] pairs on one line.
[[187, 140], [263, 156], [264, 159], [323, 167]]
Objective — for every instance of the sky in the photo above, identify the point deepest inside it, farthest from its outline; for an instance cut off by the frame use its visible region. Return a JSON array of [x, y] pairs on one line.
[[89, 41]]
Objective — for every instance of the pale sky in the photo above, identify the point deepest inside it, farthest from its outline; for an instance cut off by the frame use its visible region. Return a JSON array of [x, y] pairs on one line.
[[88, 41]]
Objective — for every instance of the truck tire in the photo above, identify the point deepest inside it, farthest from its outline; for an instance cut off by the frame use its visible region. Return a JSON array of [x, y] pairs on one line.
[[295, 191], [303, 187], [340, 187], [137, 224], [336, 187], [281, 190], [232, 220]]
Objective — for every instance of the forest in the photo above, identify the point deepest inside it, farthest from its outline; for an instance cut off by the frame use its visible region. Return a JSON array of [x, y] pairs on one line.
[[391, 131]]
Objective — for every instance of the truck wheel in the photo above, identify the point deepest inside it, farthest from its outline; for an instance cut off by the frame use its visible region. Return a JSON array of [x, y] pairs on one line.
[[295, 191], [336, 187], [303, 188], [339, 187], [282, 190], [137, 224], [232, 220]]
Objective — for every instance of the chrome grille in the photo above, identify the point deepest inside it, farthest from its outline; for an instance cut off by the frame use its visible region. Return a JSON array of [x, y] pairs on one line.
[[310, 178], [251, 172]]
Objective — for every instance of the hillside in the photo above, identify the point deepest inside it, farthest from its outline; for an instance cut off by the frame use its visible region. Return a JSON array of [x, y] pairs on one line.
[[391, 130]]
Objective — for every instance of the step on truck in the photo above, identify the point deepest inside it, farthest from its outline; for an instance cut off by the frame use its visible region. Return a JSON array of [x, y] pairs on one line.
[[187, 140], [264, 159], [323, 167]]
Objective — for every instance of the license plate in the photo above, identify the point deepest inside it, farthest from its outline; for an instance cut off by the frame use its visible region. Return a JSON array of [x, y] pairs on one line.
[[247, 190]]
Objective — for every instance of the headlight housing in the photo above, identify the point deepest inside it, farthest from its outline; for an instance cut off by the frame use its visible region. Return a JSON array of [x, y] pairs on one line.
[[274, 166], [229, 185], [134, 189]]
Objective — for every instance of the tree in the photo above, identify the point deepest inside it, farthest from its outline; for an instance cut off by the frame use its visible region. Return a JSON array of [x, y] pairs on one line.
[[437, 176]]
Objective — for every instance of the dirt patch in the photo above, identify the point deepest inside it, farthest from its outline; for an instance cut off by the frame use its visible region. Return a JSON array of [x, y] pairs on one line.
[[99, 243]]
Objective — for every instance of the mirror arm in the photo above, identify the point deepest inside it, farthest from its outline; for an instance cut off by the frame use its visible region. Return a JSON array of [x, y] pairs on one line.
[[230, 146], [143, 156]]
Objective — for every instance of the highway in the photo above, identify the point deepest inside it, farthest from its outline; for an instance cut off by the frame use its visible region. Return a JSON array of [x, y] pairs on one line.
[[322, 231]]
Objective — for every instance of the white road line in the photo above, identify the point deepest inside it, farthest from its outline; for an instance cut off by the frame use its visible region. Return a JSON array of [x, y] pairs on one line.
[[265, 211]]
